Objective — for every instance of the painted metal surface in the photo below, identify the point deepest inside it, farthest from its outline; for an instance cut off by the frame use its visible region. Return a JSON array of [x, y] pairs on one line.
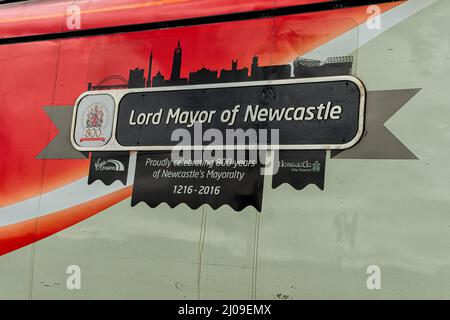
[[49, 16], [304, 244]]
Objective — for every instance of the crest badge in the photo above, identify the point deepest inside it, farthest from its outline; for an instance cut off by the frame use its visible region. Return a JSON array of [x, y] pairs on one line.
[[94, 120]]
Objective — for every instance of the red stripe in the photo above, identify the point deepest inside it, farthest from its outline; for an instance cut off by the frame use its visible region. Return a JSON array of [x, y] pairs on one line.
[[18, 235], [92, 139]]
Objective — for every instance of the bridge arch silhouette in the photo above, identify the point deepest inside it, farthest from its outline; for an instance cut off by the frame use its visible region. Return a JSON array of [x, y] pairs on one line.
[[114, 81]]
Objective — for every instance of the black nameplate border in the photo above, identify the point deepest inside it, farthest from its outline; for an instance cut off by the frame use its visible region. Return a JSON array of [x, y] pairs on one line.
[[216, 182], [109, 167], [314, 113]]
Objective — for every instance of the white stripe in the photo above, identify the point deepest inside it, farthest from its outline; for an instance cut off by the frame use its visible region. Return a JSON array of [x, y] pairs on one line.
[[65, 197]]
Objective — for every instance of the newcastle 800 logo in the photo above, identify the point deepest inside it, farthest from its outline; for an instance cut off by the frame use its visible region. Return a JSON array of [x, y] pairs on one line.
[[94, 120]]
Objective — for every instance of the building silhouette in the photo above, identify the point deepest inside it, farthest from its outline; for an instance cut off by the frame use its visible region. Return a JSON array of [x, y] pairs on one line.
[[269, 72], [136, 79], [203, 76], [158, 80], [234, 74], [302, 68], [333, 66]]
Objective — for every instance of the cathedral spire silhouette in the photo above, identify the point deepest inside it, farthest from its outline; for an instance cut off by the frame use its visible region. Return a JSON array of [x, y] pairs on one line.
[[149, 76], [176, 63]]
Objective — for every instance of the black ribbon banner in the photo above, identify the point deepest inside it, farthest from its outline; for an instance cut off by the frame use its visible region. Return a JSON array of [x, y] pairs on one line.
[[159, 178], [109, 167]]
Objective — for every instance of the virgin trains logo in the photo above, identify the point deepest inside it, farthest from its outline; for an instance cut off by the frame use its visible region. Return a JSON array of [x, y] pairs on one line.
[[109, 165], [94, 121]]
